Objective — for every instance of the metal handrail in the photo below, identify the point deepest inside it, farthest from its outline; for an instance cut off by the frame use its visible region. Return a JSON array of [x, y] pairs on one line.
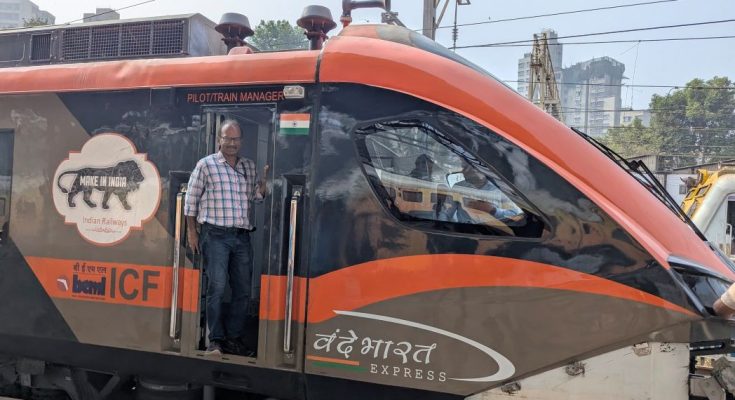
[[291, 268], [173, 331]]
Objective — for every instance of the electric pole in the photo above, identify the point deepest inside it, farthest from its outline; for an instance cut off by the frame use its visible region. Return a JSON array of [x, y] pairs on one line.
[[431, 22], [542, 78]]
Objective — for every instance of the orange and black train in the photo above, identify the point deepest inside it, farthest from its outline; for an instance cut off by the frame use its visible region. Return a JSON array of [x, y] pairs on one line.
[[374, 239]]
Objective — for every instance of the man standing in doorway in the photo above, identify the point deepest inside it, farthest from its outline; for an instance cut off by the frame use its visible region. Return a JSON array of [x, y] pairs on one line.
[[221, 190]]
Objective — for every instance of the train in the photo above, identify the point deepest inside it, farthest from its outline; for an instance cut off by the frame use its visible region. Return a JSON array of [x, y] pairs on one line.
[[372, 280]]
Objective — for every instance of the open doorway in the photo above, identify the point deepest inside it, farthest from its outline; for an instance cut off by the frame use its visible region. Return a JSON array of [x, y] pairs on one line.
[[256, 123]]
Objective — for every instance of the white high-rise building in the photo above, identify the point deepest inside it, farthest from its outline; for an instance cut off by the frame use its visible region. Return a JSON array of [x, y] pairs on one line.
[[591, 95], [13, 13]]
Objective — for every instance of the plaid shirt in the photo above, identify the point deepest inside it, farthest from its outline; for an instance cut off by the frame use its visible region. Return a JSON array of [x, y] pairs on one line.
[[219, 195]]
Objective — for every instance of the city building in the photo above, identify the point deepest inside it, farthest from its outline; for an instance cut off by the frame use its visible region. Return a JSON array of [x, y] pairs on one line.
[[628, 115], [101, 14], [524, 63], [524, 74], [591, 95], [14, 13]]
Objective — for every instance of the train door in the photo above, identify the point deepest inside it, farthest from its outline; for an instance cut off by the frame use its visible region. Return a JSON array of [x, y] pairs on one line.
[[274, 135], [256, 124]]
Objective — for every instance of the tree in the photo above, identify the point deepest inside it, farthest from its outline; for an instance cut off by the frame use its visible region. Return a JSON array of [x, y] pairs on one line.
[[34, 21], [691, 125], [633, 140], [696, 123], [278, 35]]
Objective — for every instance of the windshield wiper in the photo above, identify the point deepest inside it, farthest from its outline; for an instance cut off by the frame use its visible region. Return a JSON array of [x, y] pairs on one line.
[[638, 170]]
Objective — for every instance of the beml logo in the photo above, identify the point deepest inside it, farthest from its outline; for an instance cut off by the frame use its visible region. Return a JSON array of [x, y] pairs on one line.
[[96, 287], [119, 187], [62, 283]]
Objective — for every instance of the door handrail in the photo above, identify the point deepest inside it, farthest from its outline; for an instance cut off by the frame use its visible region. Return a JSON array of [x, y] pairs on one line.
[[291, 267], [173, 331]]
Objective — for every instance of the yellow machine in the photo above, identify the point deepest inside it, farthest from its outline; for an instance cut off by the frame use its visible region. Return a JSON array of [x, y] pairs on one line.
[[710, 203]]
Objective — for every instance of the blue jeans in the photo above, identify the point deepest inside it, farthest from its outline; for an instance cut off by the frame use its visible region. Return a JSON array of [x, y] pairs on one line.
[[226, 254]]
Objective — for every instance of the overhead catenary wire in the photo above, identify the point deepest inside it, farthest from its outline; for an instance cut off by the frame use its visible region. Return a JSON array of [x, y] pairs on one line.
[[662, 109], [574, 110], [579, 111], [112, 11], [681, 150], [710, 146], [682, 128], [709, 156], [676, 39], [591, 42], [649, 28], [525, 43], [633, 85], [496, 21]]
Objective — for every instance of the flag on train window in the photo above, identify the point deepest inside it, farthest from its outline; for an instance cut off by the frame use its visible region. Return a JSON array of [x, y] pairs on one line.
[[295, 124]]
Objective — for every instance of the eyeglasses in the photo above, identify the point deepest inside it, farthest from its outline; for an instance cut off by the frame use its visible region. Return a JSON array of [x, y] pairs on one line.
[[230, 139]]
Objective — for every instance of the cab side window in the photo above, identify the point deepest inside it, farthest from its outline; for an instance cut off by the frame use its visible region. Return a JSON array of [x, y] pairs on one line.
[[426, 180]]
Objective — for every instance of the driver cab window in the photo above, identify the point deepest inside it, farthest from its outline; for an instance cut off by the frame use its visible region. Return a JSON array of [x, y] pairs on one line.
[[426, 180]]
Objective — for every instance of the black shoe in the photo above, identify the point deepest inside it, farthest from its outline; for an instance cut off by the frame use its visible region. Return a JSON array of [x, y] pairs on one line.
[[230, 347], [237, 346]]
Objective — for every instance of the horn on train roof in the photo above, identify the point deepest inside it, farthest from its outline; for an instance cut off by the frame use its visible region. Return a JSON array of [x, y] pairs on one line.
[[317, 21], [235, 28]]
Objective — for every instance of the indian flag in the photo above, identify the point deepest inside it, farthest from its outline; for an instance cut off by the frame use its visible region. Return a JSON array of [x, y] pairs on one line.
[[295, 124]]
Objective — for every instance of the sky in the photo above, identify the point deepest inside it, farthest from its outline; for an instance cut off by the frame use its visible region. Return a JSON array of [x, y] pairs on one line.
[[670, 63]]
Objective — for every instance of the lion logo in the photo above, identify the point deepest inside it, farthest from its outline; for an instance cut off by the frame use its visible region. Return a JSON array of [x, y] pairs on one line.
[[107, 166], [119, 180]]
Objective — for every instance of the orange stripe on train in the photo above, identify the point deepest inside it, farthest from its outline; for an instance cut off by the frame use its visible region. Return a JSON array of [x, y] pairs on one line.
[[115, 283], [346, 289], [273, 298], [358, 286]]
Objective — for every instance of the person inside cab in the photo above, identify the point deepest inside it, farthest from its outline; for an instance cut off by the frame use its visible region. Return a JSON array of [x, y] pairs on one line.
[[497, 204], [423, 168], [493, 202], [220, 193]]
